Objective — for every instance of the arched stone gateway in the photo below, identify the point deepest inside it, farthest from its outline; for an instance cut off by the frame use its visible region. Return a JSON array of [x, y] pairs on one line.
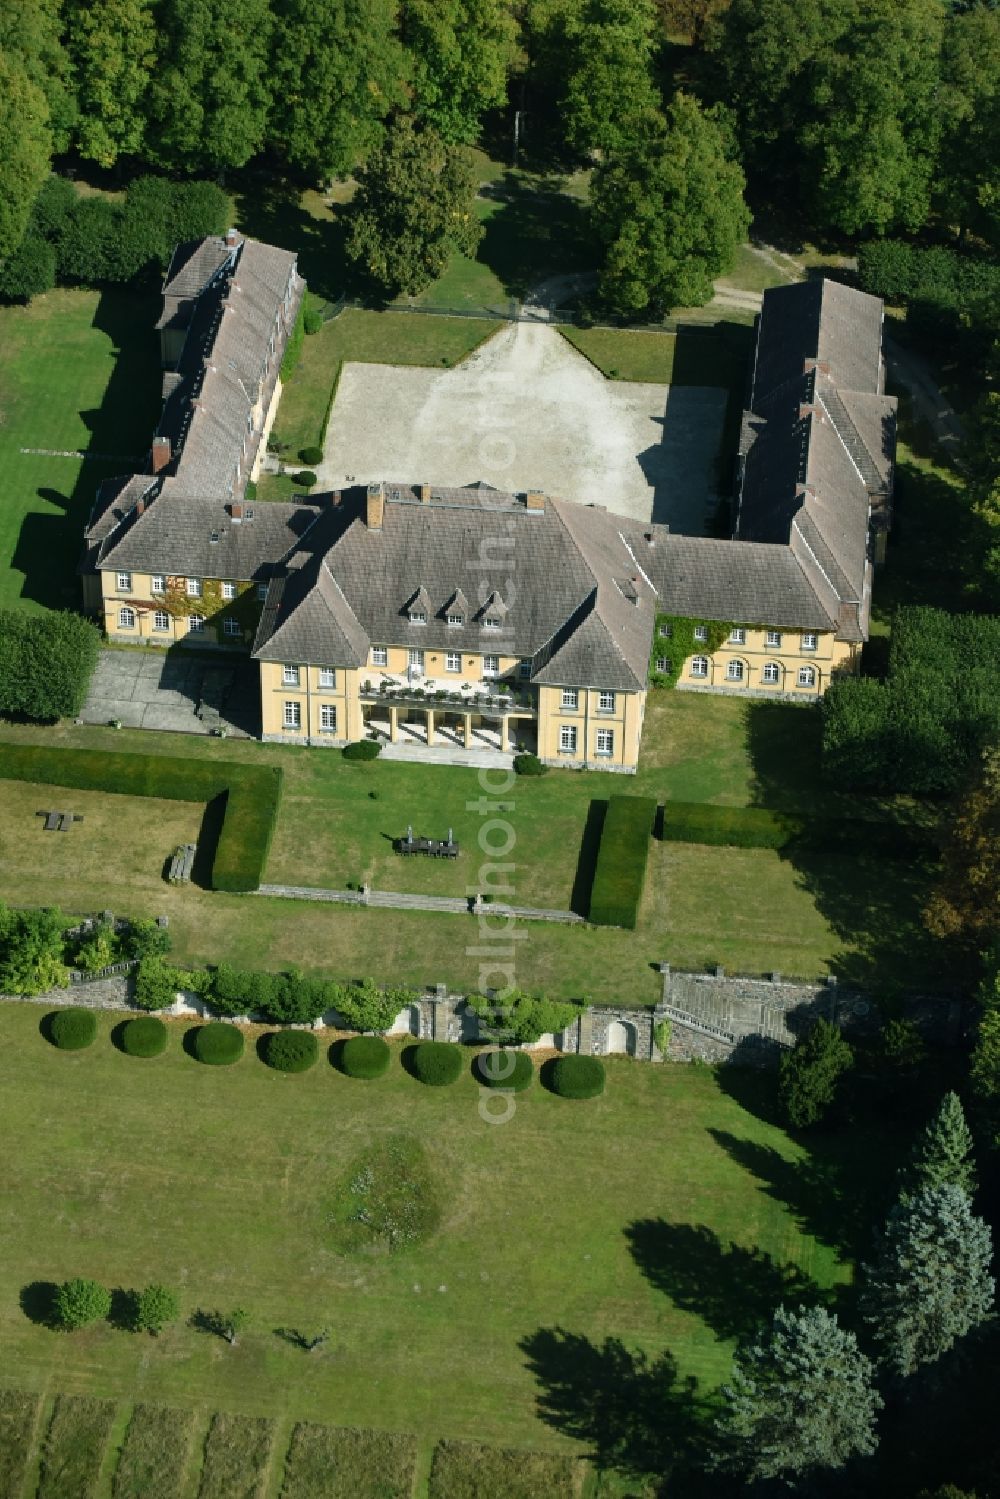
[[621, 1037], [407, 1022]]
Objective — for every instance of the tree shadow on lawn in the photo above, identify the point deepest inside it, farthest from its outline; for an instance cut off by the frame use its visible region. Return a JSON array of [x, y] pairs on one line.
[[38, 1302], [731, 1288], [634, 1413], [271, 210], [536, 231]]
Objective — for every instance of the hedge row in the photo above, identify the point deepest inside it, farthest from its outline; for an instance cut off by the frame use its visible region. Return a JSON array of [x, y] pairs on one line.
[[251, 795], [621, 861], [759, 827]]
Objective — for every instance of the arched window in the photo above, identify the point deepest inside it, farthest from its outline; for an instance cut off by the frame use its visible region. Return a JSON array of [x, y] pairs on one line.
[[807, 676], [699, 666], [126, 619], [735, 671], [772, 673]]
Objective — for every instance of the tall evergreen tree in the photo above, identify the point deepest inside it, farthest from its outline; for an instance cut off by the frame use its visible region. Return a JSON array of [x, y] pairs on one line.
[[460, 54], [670, 212], [25, 150], [801, 1400], [112, 45], [929, 1284], [809, 1075], [608, 69], [942, 1153], [337, 73], [210, 94]]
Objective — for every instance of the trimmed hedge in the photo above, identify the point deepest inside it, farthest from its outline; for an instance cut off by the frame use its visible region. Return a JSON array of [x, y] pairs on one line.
[[144, 1037], [494, 1069], [529, 765], [620, 871], [72, 1030], [364, 1056], [437, 1063], [735, 827], [218, 1044], [362, 749], [311, 456], [576, 1077], [251, 792], [291, 1051]]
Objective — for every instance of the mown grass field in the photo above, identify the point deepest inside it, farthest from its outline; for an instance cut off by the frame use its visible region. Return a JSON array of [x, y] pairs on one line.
[[753, 910], [668, 1213]]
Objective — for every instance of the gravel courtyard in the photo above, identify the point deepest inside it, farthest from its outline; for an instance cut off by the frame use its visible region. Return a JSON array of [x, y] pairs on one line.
[[527, 411]]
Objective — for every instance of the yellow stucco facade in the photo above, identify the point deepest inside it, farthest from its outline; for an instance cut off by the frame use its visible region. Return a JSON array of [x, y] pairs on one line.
[[790, 663], [161, 609]]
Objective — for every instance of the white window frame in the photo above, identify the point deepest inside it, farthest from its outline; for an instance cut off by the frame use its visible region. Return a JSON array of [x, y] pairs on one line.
[[232, 628], [193, 587], [158, 583], [161, 620], [196, 624], [772, 639], [701, 633], [455, 621], [666, 632], [699, 666], [229, 590], [810, 640], [415, 658], [453, 661], [735, 670], [328, 711], [491, 666], [126, 618], [289, 676], [380, 655], [737, 635], [124, 583], [524, 669], [605, 742], [570, 698], [418, 616], [291, 716], [664, 664], [328, 676], [492, 622], [806, 677], [771, 675], [261, 592], [606, 702], [568, 738]]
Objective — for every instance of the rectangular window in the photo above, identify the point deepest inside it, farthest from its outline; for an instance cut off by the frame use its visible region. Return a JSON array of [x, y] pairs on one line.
[[567, 739], [699, 666], [491, 666], [570, 697], [328, 718], [415, 659], [327, 676], [418, 616], [772, 673], [701, 632], [229, 590], [125, 582], [605, 741], [194, 588], [453, 661], [231, 627], [380, 655], [665, 632], [606, 702], [161, 620], [773, 637], [455, 620], [524, 669], [196, 623], [291, 717], [738, 636], [126, 618], [158, 583], [261, 592], [290, 676], [734, 671], [663, 664], [809, 641], [807, 676], [491, 622]]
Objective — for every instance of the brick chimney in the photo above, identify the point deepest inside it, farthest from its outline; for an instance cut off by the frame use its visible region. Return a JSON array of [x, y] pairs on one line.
[[424, 491], [375, 506], [236, 512], [534, 500], [160, 454]]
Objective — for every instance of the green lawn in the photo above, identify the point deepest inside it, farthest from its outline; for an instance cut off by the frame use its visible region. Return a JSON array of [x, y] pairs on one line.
[[693, 355], [80, 372], [617, 1217]]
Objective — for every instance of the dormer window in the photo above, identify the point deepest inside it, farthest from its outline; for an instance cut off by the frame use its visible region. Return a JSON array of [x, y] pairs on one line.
[[418, 616], [491, 622], [455, 621]]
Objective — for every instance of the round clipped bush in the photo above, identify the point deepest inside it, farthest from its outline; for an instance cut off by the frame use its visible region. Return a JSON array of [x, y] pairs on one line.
[[437, 1063], [362, 749], [364, 1056], [501, 1068], [529, 765], [576, 1077], [72, 1030], [291, 1051], [218, 1044], [144, 1037], [311, 456], [306, 478]]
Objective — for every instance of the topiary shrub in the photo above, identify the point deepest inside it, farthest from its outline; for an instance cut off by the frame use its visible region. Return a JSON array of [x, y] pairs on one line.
[[529, 765], [500, 1068], [291, 1051], [576, 1077], [364, 1056], [437, 1063], [306, 478], [72, 1030], [311, 456], [362, 749], [218, 1044], [144, 1037]]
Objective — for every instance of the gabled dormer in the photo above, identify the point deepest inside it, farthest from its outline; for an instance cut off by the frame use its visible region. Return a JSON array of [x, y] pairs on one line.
[[418, 607], [493, 613], [456, 611]]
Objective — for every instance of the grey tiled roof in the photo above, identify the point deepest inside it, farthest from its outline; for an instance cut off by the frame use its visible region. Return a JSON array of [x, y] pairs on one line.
[[822, 320], [738, 583], [307, 619]]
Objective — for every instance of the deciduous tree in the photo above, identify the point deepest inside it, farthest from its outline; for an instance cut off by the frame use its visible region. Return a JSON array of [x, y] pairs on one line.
[[80, 1301], [801, 1400], [966, 189], [31, 951], [607, 64], [460, 52], [32, 32], [155, 1308], [112, 45], [929, 1284], [966, 901], [670, 212], [25, 149]]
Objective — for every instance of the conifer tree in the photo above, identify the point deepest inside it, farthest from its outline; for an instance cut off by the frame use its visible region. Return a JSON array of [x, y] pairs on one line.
[[810, 1074], [942, 1152]]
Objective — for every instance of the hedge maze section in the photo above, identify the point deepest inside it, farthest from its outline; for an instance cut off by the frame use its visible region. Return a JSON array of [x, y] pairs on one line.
[[248, 796]]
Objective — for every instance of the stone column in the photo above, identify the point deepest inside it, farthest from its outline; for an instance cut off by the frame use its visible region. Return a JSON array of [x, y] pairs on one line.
[[430, 727], [503, 732], [393, 725], [467, 728]]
